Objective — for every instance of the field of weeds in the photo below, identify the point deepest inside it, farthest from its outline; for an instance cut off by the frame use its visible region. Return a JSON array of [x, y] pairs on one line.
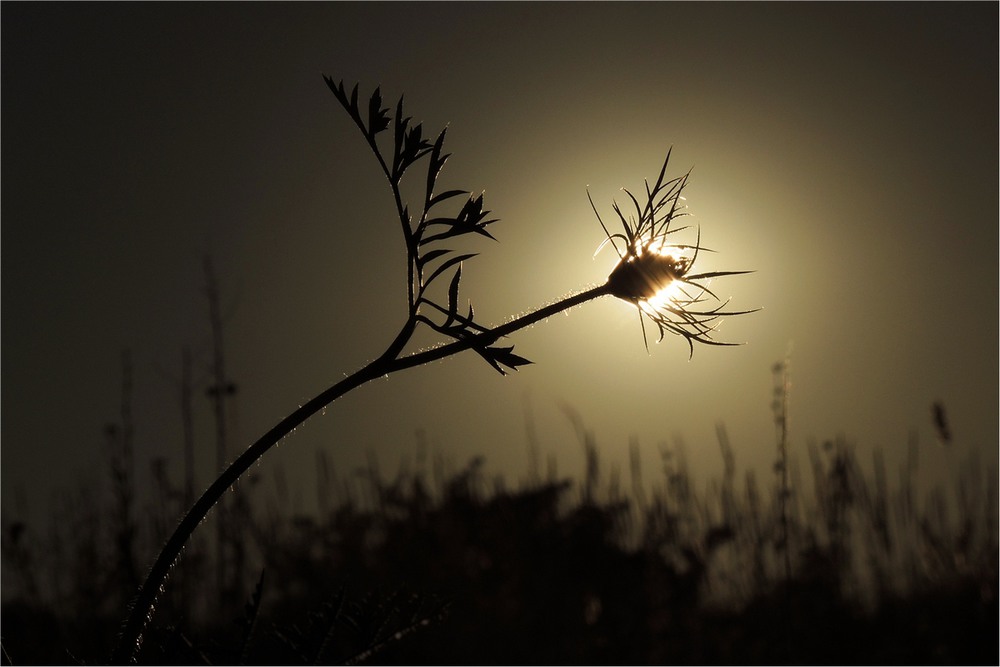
[[438, 567]]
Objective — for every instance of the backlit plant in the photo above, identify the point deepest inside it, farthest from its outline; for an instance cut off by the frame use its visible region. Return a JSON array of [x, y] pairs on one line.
[[654, 272]]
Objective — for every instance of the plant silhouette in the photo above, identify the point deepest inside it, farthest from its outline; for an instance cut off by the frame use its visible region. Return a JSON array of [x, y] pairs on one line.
[[649, 263]]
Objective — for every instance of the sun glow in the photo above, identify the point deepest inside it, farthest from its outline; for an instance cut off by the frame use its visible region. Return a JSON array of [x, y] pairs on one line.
[[672, 290], [666, 297], [663, 267]]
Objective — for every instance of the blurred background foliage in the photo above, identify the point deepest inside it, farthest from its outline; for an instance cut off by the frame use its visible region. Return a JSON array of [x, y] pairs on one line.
[[845, 562]]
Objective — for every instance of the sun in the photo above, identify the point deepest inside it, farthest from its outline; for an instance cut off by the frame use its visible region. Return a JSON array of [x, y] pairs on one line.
[[663, 267]]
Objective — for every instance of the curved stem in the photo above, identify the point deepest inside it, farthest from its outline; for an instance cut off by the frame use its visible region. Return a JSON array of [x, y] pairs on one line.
[[142, 608]]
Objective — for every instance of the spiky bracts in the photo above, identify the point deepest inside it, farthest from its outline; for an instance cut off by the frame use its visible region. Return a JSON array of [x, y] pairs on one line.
[[654, 271]]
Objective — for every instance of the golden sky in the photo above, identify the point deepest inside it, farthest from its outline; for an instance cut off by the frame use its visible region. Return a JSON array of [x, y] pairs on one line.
[[846, 153]]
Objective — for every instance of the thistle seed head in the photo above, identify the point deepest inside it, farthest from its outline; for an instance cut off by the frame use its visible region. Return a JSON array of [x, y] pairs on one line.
[[643, 275], [655, 272]]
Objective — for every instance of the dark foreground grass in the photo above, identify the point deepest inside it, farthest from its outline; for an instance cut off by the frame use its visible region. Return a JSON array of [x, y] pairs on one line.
[[460, 570]]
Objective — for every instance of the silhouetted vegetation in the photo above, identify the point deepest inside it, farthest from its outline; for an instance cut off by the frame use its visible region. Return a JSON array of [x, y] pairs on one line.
[[452, 567], [442, 567], [654, 273]]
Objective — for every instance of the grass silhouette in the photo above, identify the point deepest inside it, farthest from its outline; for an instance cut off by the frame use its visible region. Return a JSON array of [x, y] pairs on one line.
[[450, 567]]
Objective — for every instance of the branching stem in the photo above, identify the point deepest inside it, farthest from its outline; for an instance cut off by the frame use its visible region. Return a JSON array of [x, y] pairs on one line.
[[142, 609]]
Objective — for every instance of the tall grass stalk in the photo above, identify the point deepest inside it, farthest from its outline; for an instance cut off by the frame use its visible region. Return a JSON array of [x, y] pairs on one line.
[[649, 262]]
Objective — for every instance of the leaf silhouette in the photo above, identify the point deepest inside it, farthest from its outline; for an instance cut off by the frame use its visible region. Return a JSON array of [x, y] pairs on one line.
[[502, 356], [471, 219], [437, 162], [451, 261], [453, 291], [431, 255], [378, 118]]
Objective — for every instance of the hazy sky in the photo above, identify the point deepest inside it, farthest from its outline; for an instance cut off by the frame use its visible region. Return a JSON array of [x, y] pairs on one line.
[[846, 152]]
